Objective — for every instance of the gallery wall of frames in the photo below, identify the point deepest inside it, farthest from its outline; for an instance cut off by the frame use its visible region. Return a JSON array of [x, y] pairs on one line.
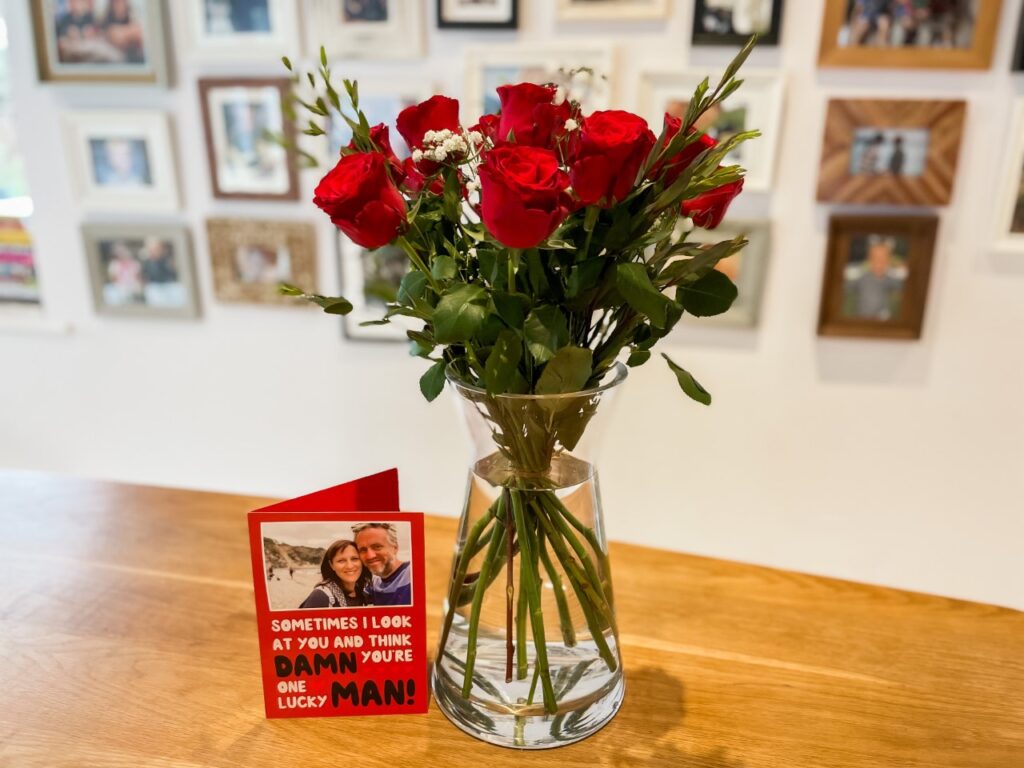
[[179, 206]]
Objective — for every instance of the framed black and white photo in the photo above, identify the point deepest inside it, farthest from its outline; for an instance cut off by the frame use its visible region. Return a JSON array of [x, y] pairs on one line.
[[255, 30], [732, 22], [366, 29], [477, 14]]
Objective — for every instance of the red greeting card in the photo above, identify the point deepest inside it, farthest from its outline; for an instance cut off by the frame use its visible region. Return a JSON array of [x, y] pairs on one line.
[[340, 602]]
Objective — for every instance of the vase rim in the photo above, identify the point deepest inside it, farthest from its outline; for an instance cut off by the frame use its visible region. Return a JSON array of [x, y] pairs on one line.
[[618, 373]]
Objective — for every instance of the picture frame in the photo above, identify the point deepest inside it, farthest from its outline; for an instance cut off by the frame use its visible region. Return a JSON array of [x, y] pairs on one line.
[[876, 276], [19, 276], [459, 14], [249, 258], [882, 151], [366, 29], [747, 270], [758, 103], [227, 30], [109, 46], [612, 10], [939, 42], [1009, 218], [141, 270], [715, 22], [244, 163], [491, 66], [121, 160], [369, 279]]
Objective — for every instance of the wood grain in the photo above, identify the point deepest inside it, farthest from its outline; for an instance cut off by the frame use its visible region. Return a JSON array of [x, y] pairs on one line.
[[129, 639]]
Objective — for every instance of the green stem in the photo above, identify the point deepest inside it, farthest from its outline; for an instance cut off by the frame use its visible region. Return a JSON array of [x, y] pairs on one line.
[[577, 546], [591, 536], [522, 663], [469, 549], [414, 257], [564, 618]]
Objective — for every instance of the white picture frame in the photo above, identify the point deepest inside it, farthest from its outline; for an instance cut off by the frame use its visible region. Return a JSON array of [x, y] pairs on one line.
[[396, 35], [761, 96], [1011, 201], [352, 263], [612, 10], [121, 160], [215, 30], [491, 66]]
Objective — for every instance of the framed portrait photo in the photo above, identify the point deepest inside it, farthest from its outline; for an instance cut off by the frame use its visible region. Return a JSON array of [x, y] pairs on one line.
[[487, 68], [121, 160], [369, 280], [141, 270], [239, 117], [876, 276], [746, 269], [583, 10], [100, 41], [477, 14], [883, 151], [757, 104], [936, 34], [367, 29], [732, 22], [218, 30], [250, 257]]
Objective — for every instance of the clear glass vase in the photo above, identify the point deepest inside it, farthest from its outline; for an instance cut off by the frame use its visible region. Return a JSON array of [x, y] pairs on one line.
[[528, 654]]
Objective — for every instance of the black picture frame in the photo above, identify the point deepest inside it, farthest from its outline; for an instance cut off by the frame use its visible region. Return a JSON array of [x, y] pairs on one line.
[[1017, 62], [512, 23], [702, 37]]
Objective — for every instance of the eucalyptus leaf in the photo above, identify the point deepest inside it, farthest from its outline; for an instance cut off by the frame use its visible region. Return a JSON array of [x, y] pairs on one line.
[[567, 371], [688, 384]]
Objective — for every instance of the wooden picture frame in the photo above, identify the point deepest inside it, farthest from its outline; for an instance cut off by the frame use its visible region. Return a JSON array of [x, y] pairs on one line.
[[705, 31], [612, 10], [899, 152], [250, 257], [506, 16], [264, 34], [876, 277], [392, 35], [230, 160], [837, 30]]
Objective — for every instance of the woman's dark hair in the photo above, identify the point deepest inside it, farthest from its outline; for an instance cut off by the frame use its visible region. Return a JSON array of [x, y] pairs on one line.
[[329, 575], [122, 17]]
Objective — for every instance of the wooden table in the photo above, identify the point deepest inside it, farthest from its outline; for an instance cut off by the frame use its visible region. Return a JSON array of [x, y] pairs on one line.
[[129, 639]]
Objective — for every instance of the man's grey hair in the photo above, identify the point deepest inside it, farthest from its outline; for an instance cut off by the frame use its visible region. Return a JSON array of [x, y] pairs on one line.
[[388, 527]]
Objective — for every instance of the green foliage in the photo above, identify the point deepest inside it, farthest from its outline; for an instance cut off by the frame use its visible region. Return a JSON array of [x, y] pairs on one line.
[[687, 383]]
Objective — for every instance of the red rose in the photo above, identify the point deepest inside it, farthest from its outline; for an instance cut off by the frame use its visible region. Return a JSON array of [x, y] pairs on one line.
[[381, 137], [361, 200], [414, 181], [613, 146], [529, 113], [708, 209], [673, 166], [522, 194], [488, 127], [434, 114]]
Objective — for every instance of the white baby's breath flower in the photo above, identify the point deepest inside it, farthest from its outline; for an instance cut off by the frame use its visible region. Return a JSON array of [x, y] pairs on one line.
[[429, 137], [476, 137], [417, 155], [472, 185], [439, 154], [571, 125]]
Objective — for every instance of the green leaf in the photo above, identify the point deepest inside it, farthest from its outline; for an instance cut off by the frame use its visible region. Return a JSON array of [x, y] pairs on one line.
[[432, 382], [511, 307], [287, 63], [444, 267], [704, 259], [567, 371], [460, 313], [546, 331], [584, 276], [503, 362], [287, 289], [712, 294], [413, 286], [332, 305], [638, 290], [638, 357], [688, 384]]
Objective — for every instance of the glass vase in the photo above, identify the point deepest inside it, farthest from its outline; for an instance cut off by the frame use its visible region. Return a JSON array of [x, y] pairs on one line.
[[528, 653]]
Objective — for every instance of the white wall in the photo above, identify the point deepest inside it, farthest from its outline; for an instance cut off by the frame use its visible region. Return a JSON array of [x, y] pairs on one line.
[[898, 463]]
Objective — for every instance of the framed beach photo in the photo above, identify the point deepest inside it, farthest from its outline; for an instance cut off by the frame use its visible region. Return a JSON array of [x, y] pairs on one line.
[[477, 14], [250, 257], [220, 30], [883, 151], [746, 269], [369, 280], [100, 41], [141, 270], [936, 34], [366, 29], [612, 10], [239, 117], [732, 22], [757, 104], [487, 68], [876, 276], [121, 161]]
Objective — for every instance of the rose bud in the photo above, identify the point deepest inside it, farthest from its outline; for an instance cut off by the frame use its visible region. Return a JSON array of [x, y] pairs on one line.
[[435, 114], [381, 137], [361, 200], [613, 146], [529, 113], [708, 209], [671, 167]]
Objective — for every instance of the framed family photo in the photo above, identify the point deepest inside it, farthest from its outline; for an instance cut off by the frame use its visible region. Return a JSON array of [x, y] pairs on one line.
[[250, 257], [240, 118], [585, 10], [890, 152], [238, 29], [758, 104], [370, 279], [876, 276], [100, 41], [141, 270], [938, 34], [367, 29], [732, 22], [477, 14], [121, 161], [746, 269]]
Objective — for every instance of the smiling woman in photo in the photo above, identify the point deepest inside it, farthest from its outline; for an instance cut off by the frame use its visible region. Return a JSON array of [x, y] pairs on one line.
[[344, 578]]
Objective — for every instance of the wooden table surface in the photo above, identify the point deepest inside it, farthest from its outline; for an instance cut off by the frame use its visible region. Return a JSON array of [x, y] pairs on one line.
[[129, 639]]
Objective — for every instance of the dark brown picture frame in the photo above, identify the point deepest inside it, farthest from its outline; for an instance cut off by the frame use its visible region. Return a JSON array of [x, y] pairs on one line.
[[702, 37], [445, 23], [920, 233], [208, 84], [944, 121]]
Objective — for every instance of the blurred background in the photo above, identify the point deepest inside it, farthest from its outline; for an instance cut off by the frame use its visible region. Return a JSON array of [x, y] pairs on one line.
[[894, 462]]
